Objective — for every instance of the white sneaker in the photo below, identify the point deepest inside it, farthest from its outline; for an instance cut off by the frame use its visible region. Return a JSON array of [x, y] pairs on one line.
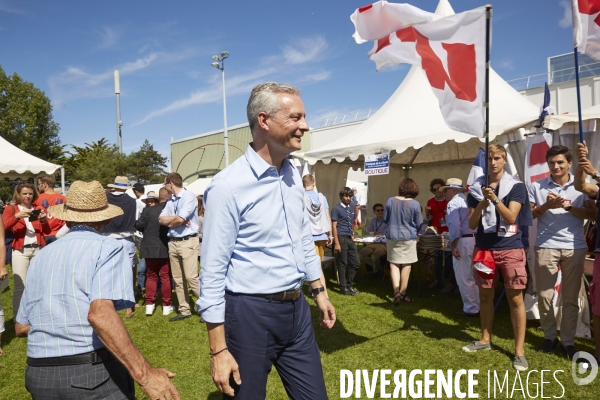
[[150, 309], [167, 310]]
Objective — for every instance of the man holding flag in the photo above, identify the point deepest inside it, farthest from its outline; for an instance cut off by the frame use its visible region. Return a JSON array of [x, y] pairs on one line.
[[496, 211]]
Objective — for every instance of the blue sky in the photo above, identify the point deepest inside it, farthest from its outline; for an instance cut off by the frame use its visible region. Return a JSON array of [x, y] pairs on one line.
[[163, 51]]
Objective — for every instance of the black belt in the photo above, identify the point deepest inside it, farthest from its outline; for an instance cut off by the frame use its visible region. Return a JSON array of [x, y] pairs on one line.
[[288, 295], [31, 246], [93, 357], [468, 235], [179, 239]]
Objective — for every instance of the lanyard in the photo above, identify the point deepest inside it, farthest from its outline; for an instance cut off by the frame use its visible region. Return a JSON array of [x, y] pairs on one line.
[[377, 226]]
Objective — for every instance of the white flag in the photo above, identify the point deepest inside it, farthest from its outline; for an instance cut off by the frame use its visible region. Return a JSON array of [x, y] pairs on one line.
[[451, 52], [379, 19], [586, 27]]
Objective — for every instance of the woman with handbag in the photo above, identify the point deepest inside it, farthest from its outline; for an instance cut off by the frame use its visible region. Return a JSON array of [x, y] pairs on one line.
[[29, 225]]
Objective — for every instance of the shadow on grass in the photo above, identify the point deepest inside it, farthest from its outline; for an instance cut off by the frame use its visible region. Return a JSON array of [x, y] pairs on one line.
[[216, 395]]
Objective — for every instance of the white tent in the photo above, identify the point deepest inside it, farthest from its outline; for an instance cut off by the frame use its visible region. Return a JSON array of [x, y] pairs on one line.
[[568, 123], [199, 186], [410, 123], [16, 163]]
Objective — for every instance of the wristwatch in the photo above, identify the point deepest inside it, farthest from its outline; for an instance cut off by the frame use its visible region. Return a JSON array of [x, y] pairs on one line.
[[596, 175], [568, 208], [316, 291], [497, 201]]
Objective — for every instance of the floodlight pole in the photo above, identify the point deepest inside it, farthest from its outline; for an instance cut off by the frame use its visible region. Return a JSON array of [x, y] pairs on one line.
[[221, 60], [119, 123]]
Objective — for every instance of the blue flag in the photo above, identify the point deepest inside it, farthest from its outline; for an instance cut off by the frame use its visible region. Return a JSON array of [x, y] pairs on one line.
[[546, 107]]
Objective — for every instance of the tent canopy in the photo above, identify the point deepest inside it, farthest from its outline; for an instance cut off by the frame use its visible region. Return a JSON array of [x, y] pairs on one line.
[[411, 117], [16, 163], [568, 123]]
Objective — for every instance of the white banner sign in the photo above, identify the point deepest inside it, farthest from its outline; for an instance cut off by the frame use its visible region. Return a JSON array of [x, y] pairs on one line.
[[377, 164]]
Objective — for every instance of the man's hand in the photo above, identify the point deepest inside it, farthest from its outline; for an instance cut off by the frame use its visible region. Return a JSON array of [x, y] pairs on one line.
[[488, 193], [327, 317], [553, 201], [456, 253], [483, 204], [159, 385], [3, 273], [338, 248], [587, 167], [221, 367], [329, 240], [581, 151]]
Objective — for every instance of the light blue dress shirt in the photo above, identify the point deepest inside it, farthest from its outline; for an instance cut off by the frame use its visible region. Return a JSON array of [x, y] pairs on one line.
[[62, 282], [257, 237], [186, 206], [457, 217], [557, 228]]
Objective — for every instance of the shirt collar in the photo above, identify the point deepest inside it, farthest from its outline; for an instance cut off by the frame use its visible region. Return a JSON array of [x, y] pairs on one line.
[[571, 180], [258, 164], [343, 205]]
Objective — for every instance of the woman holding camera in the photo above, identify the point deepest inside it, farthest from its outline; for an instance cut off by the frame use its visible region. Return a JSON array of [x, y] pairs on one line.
[[29, 226]]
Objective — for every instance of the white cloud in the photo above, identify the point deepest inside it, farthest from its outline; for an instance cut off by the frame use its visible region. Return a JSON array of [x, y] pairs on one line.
[[76, 83], [304, 50], [7, 8], [567, 19], [109, 38], [508, 63]]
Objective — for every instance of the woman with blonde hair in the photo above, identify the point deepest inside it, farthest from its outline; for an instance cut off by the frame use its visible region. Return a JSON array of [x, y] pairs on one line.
[[29, 224], [403, 217]]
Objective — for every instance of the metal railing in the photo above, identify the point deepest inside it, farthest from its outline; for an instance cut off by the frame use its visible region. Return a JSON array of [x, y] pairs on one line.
[[348, 117], [561, 75]]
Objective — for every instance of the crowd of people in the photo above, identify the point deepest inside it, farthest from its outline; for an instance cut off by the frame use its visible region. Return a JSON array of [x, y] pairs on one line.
[[260, 231]]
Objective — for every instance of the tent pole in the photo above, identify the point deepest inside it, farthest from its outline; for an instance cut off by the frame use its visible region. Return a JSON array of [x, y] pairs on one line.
[[487, 88], [576, 55], [62, 179]]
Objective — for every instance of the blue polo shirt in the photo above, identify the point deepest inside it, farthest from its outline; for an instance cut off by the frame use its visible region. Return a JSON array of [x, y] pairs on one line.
[[557, 228], [345, 217]]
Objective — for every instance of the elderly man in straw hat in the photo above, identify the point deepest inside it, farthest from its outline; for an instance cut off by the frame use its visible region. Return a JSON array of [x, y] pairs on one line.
[[77, 345], [462, 242]]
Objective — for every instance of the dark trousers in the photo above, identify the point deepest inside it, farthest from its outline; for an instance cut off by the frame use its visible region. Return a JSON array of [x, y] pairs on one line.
[[261, 333], [49, 239], [156, 267], [443, 261], [347, 260], [109, 380]]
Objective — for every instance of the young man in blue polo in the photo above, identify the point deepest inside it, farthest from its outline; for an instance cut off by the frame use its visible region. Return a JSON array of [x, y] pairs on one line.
[[560, 210], [342, 218]]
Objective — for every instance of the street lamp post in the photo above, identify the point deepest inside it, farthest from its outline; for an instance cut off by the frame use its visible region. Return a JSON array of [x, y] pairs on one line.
[[221, 66]]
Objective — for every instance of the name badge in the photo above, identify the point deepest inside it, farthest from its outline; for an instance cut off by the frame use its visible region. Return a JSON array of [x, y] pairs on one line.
[[567, 202], [443, 222], [507, 231]]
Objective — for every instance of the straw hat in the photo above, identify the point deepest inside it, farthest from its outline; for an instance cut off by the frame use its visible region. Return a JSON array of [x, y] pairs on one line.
[[121, 182], [86, 202], [452, 183], [151, 196]]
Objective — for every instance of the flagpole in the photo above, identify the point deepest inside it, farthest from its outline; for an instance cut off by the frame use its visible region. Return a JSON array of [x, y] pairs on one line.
[[488, 9], [575, 53]]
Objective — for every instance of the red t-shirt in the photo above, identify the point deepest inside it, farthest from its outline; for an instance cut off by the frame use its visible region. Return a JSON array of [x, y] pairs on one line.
[[52, 199], [438, 214]]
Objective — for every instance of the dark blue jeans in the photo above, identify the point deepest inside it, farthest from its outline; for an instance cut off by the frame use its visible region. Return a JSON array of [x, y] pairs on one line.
[[261, 333], [443, 261]]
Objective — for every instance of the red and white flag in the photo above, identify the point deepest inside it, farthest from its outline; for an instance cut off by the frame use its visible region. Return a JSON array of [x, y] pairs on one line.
[[450, 50], [536, 166], [379, 19], [586, 27]]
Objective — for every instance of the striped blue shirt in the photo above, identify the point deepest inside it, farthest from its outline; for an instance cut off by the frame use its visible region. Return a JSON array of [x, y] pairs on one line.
[[62, 281]]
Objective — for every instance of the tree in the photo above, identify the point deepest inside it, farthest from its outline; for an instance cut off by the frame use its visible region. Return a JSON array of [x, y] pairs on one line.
[[26, 118], [146, 165], [101, 163]]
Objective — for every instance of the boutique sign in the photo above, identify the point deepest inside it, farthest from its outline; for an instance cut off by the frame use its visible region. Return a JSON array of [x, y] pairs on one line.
[[377, 164]]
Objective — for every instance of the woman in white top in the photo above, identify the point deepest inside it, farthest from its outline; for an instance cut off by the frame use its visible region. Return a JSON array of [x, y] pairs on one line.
[[28, 223]]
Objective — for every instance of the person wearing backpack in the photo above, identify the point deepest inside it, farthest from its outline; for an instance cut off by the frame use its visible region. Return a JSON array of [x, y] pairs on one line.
[[320, 218]]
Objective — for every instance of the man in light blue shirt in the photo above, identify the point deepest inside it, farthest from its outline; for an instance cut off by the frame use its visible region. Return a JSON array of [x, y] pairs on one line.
[[181, 216], [257, 252], [560, 210], [462, 241]]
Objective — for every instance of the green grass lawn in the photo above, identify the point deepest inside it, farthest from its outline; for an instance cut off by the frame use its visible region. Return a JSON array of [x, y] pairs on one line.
[[370, 334]]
